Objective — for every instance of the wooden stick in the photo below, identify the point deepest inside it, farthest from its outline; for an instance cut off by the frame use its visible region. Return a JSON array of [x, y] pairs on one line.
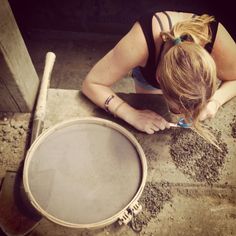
[[40, 110]]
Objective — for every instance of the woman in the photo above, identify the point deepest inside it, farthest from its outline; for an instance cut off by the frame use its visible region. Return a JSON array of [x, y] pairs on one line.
[[178, 54]]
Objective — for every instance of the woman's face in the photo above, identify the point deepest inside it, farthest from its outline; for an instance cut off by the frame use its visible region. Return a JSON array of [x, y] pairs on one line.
[[175, 111], [174, 108]]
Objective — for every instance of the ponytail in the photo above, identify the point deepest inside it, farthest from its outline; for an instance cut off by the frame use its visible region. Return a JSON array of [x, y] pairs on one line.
[[195, 30], [187, 71]]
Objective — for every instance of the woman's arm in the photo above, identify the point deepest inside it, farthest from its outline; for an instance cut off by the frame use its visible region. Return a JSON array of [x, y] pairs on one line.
[[130, 52], [224, 54]]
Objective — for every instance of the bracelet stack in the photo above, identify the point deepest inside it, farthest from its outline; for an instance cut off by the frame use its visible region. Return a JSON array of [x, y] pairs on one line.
[[106, 105]]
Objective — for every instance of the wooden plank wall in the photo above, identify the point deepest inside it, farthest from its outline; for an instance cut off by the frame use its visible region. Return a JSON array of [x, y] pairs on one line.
[[18, 79]]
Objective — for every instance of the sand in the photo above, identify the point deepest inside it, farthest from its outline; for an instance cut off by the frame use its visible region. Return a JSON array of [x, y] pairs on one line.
[[154, 197], [233, 126], [196, 157], [14, 136]]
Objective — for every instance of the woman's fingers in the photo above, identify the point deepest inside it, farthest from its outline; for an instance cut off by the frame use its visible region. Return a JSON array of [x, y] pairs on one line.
[[210, 110], [161, 123], [203, 116], [149, 131], [155, 128], [149, 121], [206, 115]]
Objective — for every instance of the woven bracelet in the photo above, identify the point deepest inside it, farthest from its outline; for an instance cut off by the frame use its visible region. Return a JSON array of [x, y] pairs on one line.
[[106, 103]]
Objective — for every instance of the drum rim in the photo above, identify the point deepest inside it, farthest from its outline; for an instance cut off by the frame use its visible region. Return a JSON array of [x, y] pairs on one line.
[[91, 120]]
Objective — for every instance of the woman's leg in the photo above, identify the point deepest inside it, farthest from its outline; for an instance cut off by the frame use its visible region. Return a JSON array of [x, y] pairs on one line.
[[141, 89]]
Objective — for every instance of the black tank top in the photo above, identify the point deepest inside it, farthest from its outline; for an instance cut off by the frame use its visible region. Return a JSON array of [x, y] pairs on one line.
[[149, 71]]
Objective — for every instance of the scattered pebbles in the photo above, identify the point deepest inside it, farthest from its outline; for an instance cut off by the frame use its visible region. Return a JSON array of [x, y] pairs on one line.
[[196, 157]]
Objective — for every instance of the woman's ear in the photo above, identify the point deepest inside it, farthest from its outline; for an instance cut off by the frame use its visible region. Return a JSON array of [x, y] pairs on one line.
[[164, 36]]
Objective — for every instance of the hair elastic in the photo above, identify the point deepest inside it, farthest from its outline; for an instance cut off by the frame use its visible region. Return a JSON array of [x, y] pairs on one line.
[[177, 41], [116, 109]]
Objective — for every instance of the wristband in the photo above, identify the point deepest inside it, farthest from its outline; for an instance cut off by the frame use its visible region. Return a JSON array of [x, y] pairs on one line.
[[106, 104]]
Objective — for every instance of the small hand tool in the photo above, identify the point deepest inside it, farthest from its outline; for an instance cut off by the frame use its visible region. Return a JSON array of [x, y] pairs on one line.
[[181, 124]]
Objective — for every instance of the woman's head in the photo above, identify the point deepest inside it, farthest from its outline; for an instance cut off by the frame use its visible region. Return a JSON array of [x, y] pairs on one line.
[[187, 70], [188, 78]]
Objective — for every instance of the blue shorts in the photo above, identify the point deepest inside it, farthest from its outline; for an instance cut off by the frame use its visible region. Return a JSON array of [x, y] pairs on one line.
[[140, 81]]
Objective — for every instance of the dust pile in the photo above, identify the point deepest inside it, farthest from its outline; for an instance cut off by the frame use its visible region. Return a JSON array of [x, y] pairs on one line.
[[196, 157], [233, 126], [13, 138], [153, 198]]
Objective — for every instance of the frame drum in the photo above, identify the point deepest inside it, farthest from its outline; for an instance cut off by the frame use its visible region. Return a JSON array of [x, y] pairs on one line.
[[85, 173]]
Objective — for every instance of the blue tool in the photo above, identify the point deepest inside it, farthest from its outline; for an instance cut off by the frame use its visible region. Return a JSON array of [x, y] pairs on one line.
[[181, 123]]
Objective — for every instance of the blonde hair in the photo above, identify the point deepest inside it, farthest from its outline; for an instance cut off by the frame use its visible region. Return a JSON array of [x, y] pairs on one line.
[[187, 70]]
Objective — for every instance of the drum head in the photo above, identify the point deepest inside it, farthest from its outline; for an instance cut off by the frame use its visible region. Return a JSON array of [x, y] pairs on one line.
[[84, 172]]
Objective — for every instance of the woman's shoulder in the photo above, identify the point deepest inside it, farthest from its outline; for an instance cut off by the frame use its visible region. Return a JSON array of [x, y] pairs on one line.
[[157, 21], [224, 54]]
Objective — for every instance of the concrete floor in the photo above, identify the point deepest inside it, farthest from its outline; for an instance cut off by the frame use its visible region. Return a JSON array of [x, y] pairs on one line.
[[193, 208]]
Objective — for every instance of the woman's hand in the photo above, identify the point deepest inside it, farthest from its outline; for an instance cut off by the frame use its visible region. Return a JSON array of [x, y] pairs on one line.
[[210, 110], [147, 121]]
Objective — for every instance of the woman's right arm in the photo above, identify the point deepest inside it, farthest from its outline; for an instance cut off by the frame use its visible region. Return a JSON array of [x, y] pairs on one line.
[[131, 51]]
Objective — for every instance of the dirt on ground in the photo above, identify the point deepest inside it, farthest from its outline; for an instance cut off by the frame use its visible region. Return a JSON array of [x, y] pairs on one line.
[[154, 196], [197, 158], [233, 126], [14, 135]]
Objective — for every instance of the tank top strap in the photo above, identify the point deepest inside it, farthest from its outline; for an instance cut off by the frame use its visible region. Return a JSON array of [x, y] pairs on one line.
[[214, 28], [169, 19], [159, 21]]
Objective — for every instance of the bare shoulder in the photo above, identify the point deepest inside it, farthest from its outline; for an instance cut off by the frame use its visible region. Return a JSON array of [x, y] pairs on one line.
[[132, 47], [224, 54], [129, 52]]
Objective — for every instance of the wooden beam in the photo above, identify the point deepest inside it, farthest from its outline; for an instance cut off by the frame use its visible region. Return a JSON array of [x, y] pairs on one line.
[[18, 78]]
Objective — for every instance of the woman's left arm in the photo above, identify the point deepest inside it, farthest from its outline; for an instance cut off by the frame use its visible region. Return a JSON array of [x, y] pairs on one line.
[[224, 54]]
